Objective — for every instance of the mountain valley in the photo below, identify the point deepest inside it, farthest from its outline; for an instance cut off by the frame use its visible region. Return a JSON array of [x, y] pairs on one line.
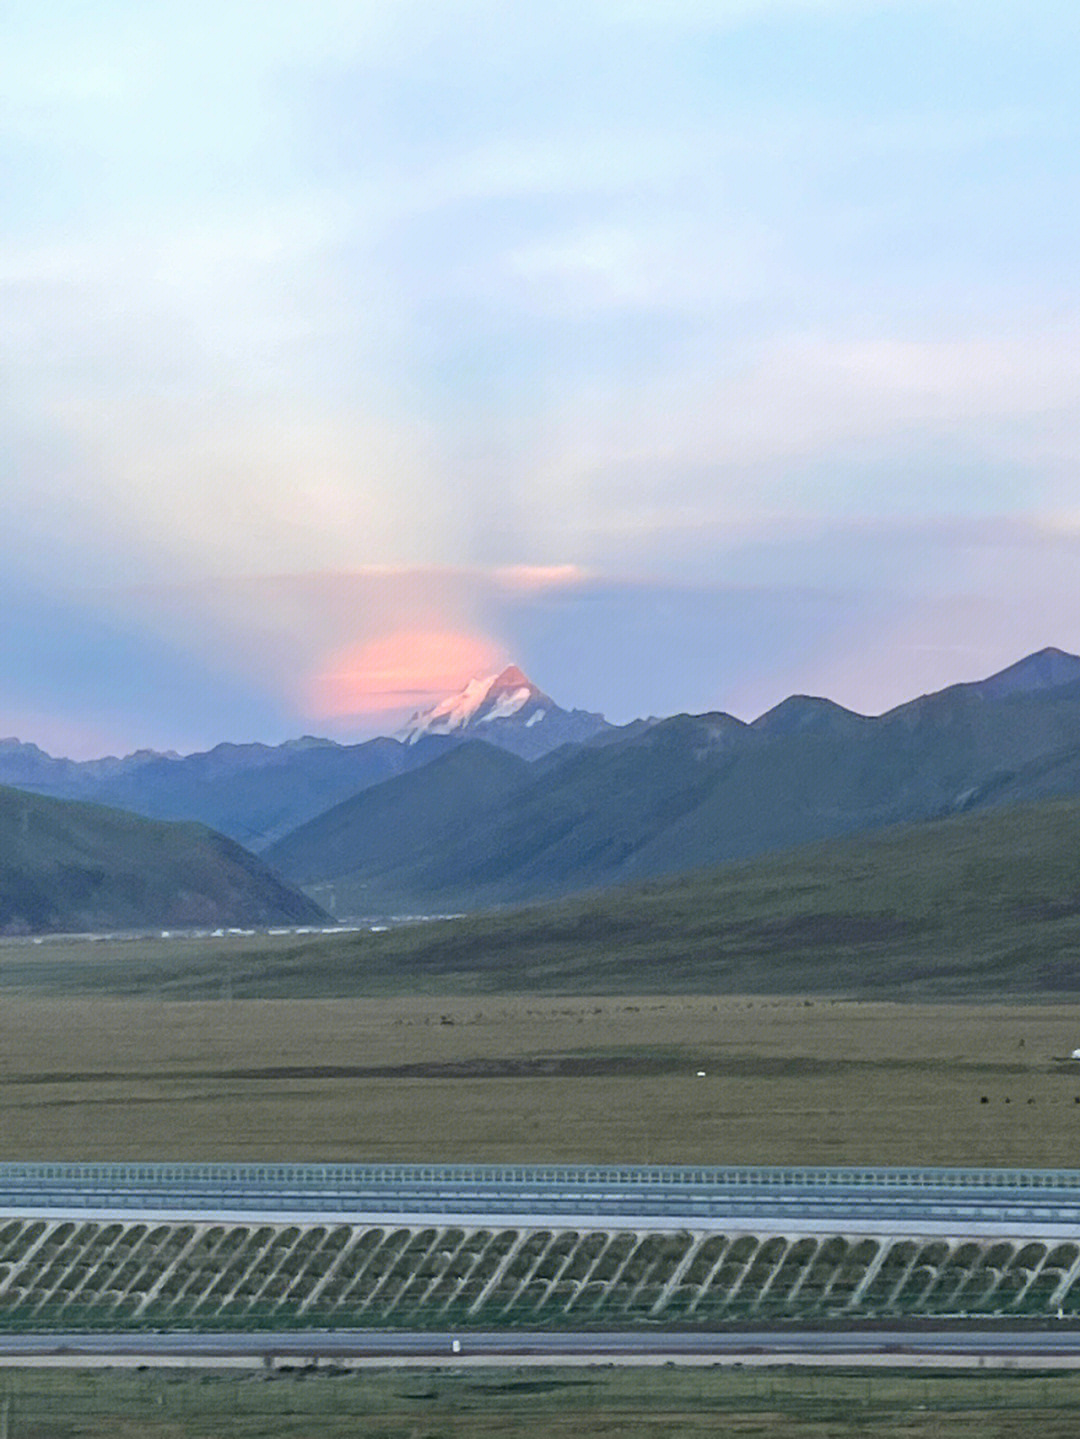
[[482, 801]]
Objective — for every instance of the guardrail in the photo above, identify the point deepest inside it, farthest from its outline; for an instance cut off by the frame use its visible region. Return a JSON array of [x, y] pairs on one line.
[[346, 1177]]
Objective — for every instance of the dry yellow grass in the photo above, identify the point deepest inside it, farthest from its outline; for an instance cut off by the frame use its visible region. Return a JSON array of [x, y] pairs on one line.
[[505, 1078]]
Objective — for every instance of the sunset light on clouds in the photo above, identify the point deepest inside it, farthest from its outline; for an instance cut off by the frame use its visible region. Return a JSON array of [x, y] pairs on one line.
[[401, 670], [685, 354]]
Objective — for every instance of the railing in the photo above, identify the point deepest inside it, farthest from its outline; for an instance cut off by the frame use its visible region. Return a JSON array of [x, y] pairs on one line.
[[346, 1177]]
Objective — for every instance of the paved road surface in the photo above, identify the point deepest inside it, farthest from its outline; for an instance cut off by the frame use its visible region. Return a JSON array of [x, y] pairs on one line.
[[842, 1347]]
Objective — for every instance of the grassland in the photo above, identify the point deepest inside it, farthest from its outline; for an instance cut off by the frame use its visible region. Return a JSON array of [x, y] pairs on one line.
[[980, 907], [518, 1404], [787, 1080], [576, 1031]]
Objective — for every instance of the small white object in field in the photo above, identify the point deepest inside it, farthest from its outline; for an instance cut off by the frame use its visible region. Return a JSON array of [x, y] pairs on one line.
[[456, 1346], [701, 1074]]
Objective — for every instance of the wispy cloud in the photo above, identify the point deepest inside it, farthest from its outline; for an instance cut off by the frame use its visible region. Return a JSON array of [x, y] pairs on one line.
[[533, 324]]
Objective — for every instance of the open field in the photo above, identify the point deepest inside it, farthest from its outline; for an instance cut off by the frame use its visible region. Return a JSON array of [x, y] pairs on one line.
[[615, 1403], [787, 1080]]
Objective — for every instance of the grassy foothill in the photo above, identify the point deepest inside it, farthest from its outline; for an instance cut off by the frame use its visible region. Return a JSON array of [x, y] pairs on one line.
[[507, 1403], [974, 908]]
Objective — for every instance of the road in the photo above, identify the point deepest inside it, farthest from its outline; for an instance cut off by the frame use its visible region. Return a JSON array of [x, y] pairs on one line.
[[836, 1346], [1014, 1203]]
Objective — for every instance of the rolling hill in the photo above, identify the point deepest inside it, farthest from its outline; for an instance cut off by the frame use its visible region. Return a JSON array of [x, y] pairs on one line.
[[974, 907], [68, 866]]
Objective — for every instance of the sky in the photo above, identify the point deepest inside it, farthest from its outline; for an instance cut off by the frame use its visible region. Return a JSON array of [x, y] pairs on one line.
[[687, 353]]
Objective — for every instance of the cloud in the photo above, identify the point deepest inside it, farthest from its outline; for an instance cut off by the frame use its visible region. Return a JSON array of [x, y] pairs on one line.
[[238, 485], [338, 325], [539, 579], [808, 429], [723, 14], [187, 390], [406, 669], [678, 265], [328, 322]]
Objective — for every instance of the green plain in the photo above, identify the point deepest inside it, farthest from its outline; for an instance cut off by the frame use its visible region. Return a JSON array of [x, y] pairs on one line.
[[616, 1403]]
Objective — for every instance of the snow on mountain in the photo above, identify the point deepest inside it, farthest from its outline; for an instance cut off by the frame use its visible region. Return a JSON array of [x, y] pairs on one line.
[[508, 710], [481, 701]]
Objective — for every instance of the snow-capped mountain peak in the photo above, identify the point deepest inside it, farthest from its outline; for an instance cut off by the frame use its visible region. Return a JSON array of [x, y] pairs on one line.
[[494, 697], [500, 708]]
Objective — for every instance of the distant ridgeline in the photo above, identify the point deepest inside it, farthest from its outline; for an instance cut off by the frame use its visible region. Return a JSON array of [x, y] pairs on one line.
[[498, 796], [479, 827], [256, 793]]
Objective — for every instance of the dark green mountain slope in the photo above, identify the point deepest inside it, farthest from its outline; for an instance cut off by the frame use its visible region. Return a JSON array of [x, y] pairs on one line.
[[65, 865], [974, 907], [1049, 777], [571, 827], [971, 906], [383, 829], [697, 790], [941, 755]]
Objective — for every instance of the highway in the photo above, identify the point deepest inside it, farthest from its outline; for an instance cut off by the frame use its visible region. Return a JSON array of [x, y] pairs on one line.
[[839, 1346], [1041, 1203]]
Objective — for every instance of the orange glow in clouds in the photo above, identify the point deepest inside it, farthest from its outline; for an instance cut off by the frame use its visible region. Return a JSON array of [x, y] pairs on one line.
[[408, 669]]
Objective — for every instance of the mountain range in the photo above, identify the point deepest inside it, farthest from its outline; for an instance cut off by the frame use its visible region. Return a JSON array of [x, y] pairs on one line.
[[690, 791], [257, 793], [499, 796]]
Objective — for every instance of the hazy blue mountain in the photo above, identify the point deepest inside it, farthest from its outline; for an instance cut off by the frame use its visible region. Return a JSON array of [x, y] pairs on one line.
[[253, 792], [1046, 669], [258, 793], [806, 714], [70, 866], [26, 766]]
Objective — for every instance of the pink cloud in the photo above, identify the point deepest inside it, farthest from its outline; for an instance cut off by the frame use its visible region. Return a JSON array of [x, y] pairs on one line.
[[399, 671]]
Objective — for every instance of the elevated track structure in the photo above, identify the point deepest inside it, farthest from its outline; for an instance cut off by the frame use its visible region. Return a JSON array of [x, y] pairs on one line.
[[118, 1247]]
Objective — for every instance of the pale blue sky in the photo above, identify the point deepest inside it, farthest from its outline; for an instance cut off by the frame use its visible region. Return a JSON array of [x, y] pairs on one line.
[[687, 353]]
